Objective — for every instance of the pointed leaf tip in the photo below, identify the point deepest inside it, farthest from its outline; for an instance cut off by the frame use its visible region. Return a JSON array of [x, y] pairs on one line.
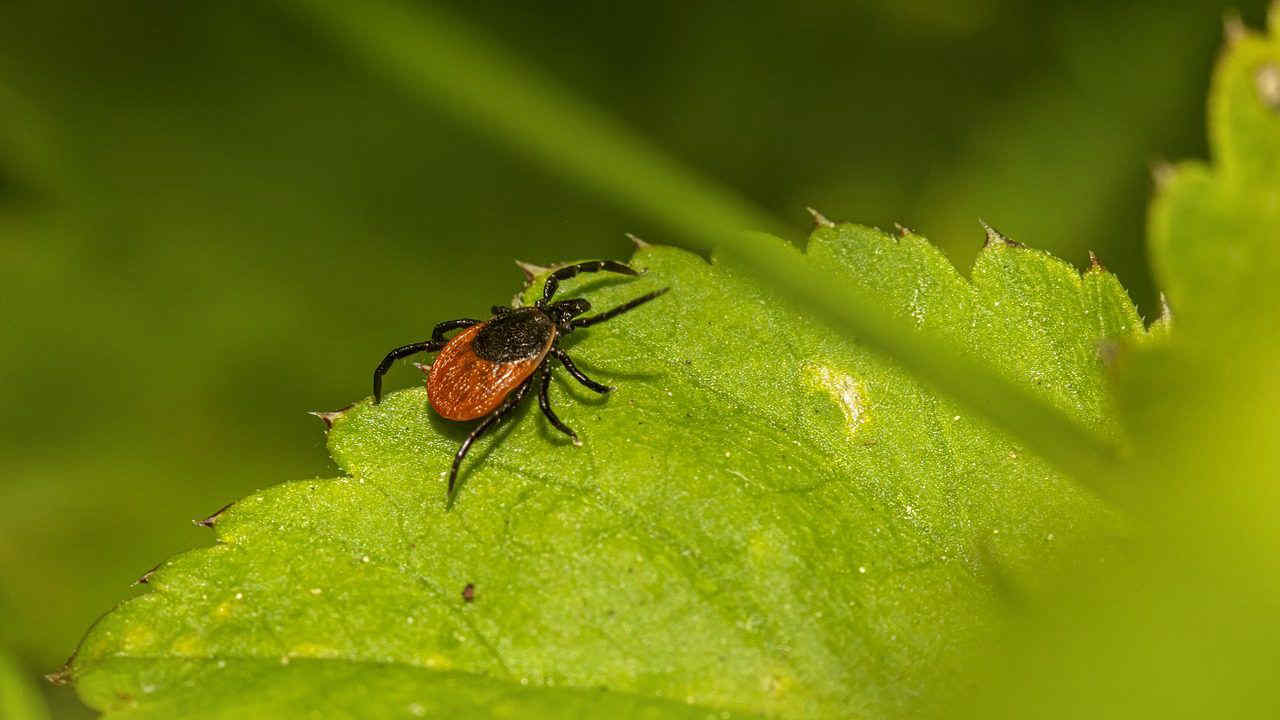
[[1094, 263], [819, 219], [903, 230]]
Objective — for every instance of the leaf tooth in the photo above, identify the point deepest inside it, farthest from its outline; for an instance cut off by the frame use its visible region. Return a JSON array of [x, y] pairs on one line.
[[329, 416], [639, 242], [903, 230], [62, 675], [145, 578], [996, 238], [819, 219], [530, 270], [1166, 313], [1094, 263], [213, 519], [1233, 29]]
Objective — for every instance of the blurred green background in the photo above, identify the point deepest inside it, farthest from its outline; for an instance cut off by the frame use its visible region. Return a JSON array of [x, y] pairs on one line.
[[212, 220]]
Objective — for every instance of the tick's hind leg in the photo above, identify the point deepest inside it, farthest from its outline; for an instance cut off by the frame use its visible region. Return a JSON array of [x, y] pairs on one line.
[[544, 402], [489, 421], [563, 357]]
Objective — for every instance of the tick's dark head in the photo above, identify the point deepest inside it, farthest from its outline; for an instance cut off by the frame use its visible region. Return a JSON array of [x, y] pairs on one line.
[[563, 312]]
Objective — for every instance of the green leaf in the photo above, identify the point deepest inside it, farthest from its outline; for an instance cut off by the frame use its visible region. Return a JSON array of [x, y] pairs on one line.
[[1185, 624], [764, 517], [1213, 228]]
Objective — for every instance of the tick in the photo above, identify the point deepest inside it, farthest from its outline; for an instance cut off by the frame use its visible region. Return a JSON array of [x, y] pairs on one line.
[[483, 372]]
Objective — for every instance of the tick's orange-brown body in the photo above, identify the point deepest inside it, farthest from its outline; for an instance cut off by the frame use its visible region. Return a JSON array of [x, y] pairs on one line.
[[463, 385]]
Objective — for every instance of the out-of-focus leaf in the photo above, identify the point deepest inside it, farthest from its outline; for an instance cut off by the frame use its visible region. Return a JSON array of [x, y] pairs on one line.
[[764, 518], [1186, 625], [19, 699]]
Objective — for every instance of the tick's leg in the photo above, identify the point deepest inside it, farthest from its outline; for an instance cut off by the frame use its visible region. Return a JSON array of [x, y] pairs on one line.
[[563, 357], [394, 355], [499, 309], [615, 312], [489, 421], [568, 271], [544, 402], [438, 333]]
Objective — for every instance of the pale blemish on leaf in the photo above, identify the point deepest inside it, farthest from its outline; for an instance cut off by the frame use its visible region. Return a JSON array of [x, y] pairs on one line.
[[137, 637], [849, 393], [186, 646], [436, 661], [313, 650]]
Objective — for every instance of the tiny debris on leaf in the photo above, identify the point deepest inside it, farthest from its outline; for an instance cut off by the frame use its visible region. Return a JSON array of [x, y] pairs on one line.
[[469, 592], [1109, 352]]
